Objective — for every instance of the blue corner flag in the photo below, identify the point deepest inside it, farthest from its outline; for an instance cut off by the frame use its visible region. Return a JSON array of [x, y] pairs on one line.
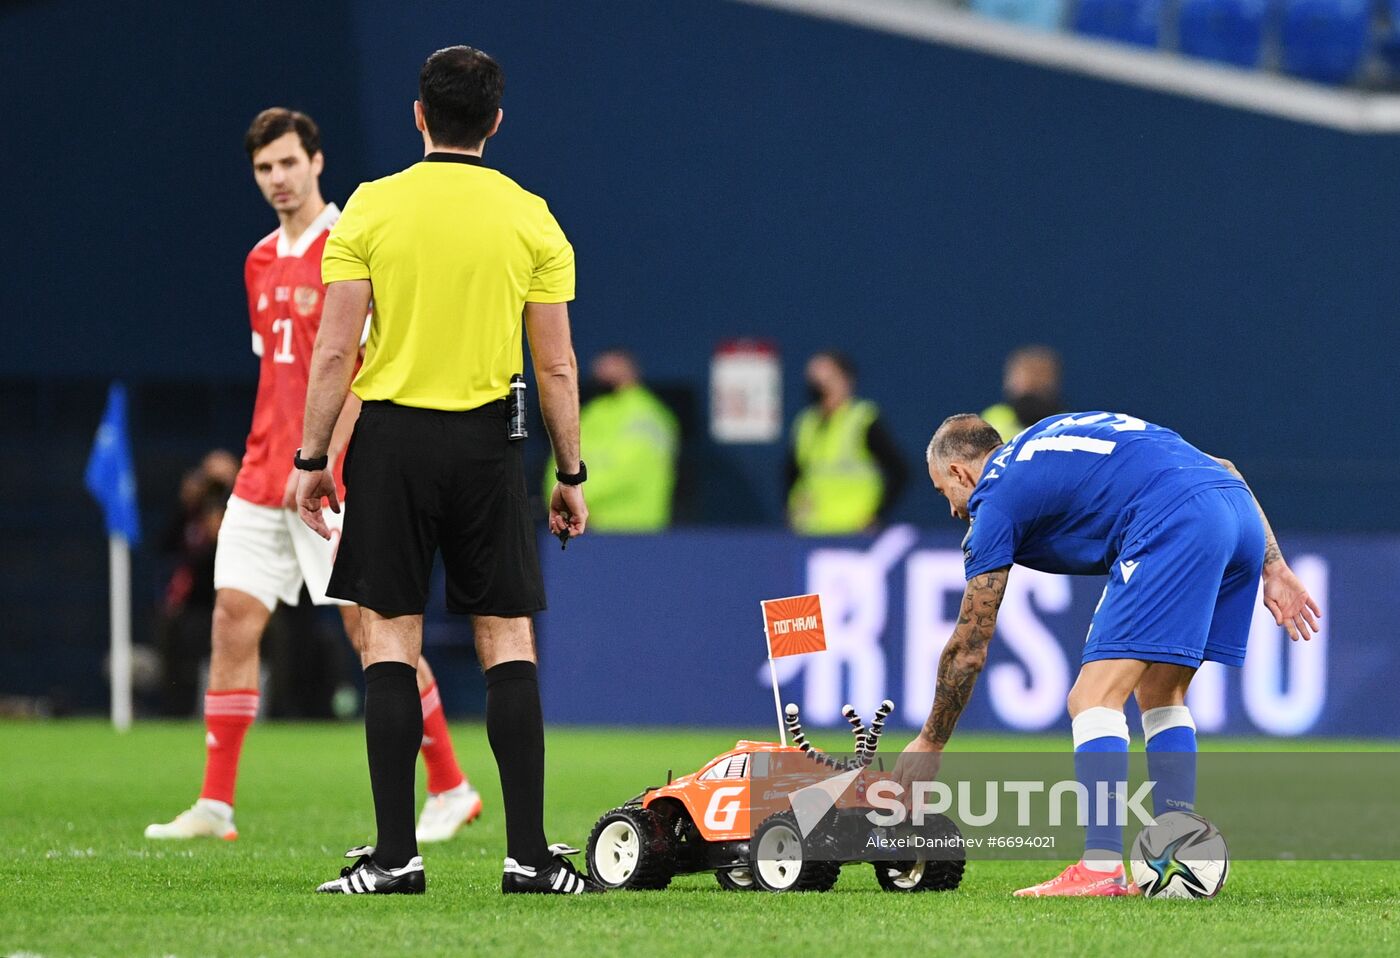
[[110, 476]]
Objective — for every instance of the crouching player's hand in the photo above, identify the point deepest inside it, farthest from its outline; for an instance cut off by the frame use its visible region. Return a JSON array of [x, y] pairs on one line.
[[919, 762], [1288, 601]]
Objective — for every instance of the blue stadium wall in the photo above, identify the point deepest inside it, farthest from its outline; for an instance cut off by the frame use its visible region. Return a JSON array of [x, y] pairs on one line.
[[722, 170], [690, 649]]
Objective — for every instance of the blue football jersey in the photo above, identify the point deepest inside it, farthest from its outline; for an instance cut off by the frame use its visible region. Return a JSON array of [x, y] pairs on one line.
[[1063, 495]]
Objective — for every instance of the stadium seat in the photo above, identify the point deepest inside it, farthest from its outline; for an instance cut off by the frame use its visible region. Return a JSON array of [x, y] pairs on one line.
[[1324, 39], [1227, 31], [1131, 21], [1040, 14]]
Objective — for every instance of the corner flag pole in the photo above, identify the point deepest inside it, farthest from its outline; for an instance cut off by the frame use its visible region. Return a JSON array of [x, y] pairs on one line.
[[119, 560], [111, 478], [773, 674]]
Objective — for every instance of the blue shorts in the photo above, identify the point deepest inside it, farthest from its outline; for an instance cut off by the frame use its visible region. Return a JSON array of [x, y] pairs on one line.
[[1183, 591]]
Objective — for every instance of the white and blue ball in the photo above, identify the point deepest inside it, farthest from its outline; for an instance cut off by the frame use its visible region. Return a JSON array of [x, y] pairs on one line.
[[1181, 856]]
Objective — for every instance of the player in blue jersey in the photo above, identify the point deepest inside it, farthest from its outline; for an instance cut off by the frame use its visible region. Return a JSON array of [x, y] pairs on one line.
[[1183, 543]]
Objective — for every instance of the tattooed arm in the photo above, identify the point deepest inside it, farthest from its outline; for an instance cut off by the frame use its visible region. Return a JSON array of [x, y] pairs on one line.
[[1272, 553], [961, 663], [1284, 596], [965, 654]]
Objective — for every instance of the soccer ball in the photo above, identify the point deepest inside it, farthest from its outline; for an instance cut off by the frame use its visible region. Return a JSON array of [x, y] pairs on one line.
[[1182, 856]]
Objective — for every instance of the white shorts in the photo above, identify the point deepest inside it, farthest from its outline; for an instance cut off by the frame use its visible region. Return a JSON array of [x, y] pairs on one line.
[[269, 552]]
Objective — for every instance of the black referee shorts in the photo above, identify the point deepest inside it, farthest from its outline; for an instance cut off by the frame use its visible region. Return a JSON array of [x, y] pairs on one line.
[[420, 480]]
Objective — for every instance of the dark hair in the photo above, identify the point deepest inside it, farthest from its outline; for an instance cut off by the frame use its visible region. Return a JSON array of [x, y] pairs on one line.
[[275, 123], [965, 437], [842, 362], [460, 89]]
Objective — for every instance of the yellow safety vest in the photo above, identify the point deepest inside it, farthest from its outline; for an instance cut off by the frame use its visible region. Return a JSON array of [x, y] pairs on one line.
[[630, 441], [839, 485], [1002, 418]]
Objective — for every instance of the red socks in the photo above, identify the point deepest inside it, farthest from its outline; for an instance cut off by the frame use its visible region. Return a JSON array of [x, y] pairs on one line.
[[227, 715], [443, 772]]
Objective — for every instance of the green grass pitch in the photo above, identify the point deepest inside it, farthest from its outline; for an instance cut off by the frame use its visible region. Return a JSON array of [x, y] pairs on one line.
[[79, 879]]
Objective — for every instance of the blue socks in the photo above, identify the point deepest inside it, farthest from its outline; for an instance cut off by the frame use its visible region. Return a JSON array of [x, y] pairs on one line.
[[1171, 758], [1101, 766]]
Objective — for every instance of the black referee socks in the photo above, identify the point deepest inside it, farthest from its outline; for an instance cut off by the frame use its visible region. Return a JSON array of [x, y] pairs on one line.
[[515, 729], [393, 733]]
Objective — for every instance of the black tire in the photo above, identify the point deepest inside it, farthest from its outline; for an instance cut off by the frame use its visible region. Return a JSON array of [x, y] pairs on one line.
[[736, 879], [636, 850], [939, 874], [919, 875], [781, 835]]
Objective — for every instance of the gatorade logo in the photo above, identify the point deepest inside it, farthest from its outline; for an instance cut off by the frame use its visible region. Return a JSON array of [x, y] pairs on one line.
[[723, 810]]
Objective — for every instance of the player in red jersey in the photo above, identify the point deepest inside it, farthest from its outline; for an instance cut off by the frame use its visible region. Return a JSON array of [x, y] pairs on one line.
[[265, 553]]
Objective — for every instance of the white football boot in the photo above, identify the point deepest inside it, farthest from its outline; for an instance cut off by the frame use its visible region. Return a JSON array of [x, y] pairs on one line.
[[206, 818], [446, 812]]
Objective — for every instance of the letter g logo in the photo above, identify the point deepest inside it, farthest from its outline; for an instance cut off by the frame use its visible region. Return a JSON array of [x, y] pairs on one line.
[[723, 810]]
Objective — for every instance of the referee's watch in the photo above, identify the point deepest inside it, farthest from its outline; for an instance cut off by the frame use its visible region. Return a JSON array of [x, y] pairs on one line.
[[577, 479], [310, 465]]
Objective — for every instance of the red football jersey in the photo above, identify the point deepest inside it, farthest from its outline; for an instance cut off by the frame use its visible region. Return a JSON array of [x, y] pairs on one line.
[[285, 296]]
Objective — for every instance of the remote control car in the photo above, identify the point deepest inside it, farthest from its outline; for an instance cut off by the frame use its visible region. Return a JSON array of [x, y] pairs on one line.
[[702, 822]]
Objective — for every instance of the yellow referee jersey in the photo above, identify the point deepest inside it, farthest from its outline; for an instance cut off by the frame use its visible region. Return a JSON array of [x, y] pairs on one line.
[[453, 250]]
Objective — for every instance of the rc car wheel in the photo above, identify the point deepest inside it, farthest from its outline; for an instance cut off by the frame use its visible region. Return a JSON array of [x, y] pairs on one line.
[[735, 879], [779, 861], [919, 875], [941, 874], [630, 848]]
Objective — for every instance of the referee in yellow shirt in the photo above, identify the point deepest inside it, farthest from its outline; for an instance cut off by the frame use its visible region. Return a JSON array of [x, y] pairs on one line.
[[457, 258]]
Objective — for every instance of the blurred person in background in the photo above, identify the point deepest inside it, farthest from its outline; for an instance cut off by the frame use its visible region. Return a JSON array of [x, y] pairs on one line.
[[633, 441], [264, 553], [844, 472], [187, 608], [1030, 387]]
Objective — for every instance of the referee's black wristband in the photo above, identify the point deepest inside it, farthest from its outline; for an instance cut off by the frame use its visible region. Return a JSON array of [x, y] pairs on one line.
[[577, 479], [310, 465]]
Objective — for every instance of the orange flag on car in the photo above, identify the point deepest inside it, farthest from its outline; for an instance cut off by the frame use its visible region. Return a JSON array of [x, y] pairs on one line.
[[794, 625]]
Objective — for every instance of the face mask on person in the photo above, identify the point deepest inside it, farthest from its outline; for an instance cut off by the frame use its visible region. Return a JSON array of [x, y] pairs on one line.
[[1033, 407], [815, 393]]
